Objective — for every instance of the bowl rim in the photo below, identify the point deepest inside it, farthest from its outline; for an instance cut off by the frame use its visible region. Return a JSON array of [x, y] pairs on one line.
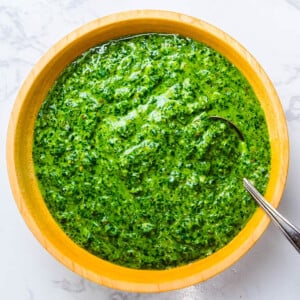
[[20, 166]]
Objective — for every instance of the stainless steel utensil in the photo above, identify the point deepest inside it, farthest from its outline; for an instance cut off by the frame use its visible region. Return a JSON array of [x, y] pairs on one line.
[[291, 232]]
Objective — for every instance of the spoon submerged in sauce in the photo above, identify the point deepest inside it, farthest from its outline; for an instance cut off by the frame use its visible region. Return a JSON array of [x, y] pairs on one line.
[[291, 232], [239, 132]]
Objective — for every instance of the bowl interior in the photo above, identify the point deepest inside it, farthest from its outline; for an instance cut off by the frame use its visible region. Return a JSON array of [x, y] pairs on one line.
[[20, 138]]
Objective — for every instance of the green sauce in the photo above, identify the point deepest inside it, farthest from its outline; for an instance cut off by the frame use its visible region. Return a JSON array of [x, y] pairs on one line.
[[128, 161]]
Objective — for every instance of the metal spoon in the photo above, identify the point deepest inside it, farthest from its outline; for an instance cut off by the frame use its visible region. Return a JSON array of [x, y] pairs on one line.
[[291, 232]]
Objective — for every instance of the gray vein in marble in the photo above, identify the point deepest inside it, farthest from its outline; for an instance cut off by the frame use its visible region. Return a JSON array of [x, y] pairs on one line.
[[11, 74], [293, 111], [130, 296], [70, 3], [12, 31], [293, 72], [16, 49], [73, 287], [190, 293], [30, 294], [295, 3], [119, 296]]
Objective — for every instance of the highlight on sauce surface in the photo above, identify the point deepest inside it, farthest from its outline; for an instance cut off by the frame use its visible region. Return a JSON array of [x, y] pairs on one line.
[[128, 161]]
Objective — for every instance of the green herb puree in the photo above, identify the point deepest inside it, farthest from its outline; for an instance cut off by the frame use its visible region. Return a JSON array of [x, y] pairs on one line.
[[128, 161]]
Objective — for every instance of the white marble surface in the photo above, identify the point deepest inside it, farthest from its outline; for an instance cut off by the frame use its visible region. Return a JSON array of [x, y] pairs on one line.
[[269, 29]]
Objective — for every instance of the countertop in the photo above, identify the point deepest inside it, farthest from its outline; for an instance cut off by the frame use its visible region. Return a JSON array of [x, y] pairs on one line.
[[269, 29]]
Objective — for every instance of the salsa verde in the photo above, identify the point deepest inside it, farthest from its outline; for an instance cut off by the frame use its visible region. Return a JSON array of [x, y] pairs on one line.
[[128, 161]]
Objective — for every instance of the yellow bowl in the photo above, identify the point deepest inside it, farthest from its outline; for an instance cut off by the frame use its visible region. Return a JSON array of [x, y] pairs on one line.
[[20, 137]]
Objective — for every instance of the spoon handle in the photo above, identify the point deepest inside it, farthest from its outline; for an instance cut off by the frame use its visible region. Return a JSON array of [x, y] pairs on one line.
[[291, 232]]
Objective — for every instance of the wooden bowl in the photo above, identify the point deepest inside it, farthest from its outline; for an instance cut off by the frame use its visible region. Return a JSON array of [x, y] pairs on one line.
[[20, 138]]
